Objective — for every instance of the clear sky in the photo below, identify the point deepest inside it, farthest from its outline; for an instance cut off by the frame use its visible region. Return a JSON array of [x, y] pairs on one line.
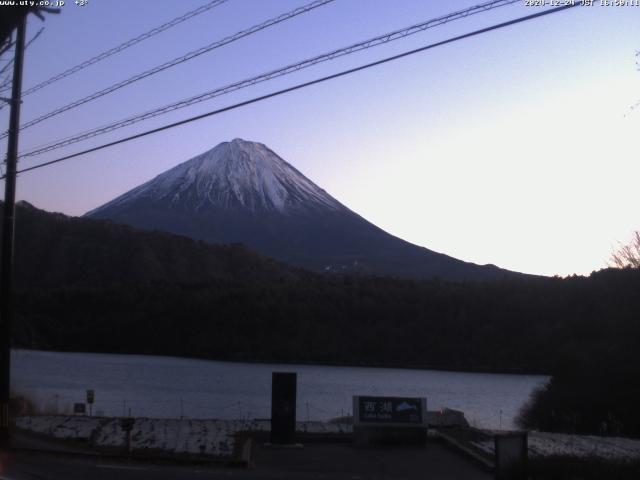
[[517, 147]]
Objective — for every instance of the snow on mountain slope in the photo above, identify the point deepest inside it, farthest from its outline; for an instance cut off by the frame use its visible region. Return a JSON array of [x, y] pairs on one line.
[[236, 174]]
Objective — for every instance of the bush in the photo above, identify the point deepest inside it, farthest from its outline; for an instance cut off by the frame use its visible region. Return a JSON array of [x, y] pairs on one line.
[[599, 396]]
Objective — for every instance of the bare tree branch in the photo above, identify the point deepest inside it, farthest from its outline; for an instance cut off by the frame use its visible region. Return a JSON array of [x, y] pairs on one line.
[[627, 256]]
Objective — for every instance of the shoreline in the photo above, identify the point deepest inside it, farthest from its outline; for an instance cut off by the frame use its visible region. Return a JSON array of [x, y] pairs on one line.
[[398, 366]]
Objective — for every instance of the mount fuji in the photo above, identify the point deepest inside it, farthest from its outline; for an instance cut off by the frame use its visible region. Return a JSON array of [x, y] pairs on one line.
[[242, 192]]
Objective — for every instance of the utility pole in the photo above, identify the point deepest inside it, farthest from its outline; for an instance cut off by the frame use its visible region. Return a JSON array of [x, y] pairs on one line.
[[8, 224]]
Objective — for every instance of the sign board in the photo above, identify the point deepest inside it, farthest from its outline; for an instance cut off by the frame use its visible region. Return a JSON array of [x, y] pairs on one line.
[[511, 451], [79, 408], [390, 411], [90, 396]]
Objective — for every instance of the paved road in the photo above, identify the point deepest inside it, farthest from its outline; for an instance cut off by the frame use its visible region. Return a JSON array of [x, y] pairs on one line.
[[339, 462], [23, 466], [433, 462]]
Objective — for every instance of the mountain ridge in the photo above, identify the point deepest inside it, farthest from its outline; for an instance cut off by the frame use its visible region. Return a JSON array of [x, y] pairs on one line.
[[54, 250], [242, 191]]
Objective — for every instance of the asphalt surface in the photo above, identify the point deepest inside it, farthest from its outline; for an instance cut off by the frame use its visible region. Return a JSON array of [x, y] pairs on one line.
[[342, 461], [313, 461]]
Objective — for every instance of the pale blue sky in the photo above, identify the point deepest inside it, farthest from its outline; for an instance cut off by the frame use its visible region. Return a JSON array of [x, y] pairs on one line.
[[516, 148]]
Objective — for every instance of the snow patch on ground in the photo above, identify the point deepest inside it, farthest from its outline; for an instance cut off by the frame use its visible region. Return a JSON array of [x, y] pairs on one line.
[[187, 436], [80, 428], [544, 444]]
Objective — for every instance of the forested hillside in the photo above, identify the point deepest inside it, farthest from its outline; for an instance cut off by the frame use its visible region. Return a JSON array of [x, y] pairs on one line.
[[88, 285]]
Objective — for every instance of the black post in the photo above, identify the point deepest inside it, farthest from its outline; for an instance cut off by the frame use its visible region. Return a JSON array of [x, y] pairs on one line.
[[283, 408], [8, 223], [511, 452]]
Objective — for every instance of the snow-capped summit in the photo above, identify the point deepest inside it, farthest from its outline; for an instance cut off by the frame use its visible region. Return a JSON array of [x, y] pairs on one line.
[[233, 175], [243, 192]]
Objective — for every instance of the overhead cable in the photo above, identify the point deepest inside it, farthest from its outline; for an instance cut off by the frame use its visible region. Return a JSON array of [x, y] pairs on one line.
[[176, 61], [301, 85], [370, 43], [124, 46], [10, 62]]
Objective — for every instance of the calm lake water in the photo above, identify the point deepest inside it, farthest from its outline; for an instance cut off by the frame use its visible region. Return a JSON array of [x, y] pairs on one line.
[[170, 387]]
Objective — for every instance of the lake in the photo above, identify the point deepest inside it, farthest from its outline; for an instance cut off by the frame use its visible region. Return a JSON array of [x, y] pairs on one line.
[[169, 387]]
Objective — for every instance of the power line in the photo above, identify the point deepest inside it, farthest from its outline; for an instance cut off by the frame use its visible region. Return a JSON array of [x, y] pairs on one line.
[[5, 81], [176, 61], [33, 39], [125, 45], [302, 85], [8, 44], [3, 49], [370, 43], [10, 62]]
